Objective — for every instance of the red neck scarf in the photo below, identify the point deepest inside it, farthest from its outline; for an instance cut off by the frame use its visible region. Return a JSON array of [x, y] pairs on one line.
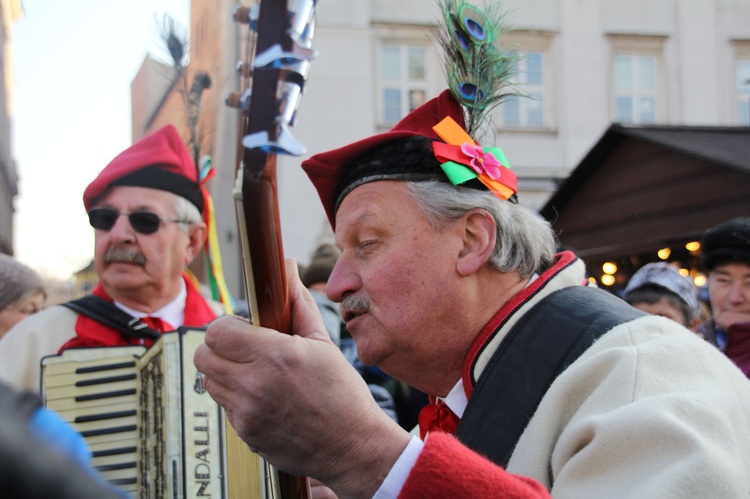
[[91, 333], [437, 416]]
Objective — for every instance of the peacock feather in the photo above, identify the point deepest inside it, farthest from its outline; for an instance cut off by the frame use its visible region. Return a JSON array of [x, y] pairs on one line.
[[477, 70]]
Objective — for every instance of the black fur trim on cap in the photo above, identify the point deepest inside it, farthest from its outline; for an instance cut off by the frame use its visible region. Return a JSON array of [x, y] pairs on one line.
[[164, 180], [725, 243], [407, 159]]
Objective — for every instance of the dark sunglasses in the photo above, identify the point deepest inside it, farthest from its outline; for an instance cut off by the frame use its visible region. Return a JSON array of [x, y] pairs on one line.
[[143, 222]]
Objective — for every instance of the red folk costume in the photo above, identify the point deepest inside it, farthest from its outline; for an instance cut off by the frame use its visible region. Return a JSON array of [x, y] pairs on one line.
[[159, 161], [91, 333]]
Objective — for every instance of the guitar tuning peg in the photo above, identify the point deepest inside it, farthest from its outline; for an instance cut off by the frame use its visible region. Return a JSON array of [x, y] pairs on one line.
[[237, 101], [247, 15], [280, 139], [232, 100], [291, 95], [276, 57], [285, 142], [244, 70], [302, 22]]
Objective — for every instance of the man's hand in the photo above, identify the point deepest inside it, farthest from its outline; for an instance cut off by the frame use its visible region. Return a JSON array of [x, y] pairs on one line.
[[296, 400], [320, 491]]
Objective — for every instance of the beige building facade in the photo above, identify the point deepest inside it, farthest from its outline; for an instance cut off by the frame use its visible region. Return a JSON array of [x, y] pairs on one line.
[[585, 63]]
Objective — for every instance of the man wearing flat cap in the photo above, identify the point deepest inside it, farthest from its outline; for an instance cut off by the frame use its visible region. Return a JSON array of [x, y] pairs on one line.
[[146, 208], [725, 254], [539, 385]]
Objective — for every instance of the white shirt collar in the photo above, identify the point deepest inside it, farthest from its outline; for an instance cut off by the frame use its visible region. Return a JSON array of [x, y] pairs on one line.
[[173, 312], [456, 399]]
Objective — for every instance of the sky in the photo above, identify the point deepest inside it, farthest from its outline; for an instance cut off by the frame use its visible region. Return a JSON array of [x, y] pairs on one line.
[[73, 61]]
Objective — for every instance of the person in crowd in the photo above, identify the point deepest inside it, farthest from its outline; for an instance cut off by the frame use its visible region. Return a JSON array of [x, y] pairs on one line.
[[145, 207], [41, 455], [21, 292], [540, 385], [314, 277], [725, 254], [659, 289]]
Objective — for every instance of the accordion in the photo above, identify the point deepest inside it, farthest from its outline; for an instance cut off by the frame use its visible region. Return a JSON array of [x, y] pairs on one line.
[[153, 429]]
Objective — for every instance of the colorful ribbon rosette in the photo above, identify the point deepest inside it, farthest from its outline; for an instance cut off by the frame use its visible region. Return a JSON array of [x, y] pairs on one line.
[[462, 160]]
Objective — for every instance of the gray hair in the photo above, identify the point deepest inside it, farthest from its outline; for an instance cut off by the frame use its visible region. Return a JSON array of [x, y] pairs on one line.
[[525, 241], [17, 281], [187, 212]]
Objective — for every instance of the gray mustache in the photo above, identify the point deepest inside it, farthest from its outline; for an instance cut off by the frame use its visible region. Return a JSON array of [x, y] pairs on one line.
[[355, 304], [124, 255]]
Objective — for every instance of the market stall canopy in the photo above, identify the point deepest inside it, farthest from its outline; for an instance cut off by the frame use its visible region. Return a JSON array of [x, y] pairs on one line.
[[645, 188]]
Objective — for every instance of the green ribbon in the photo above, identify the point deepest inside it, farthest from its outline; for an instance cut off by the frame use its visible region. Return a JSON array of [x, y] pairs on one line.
[[458, 173]]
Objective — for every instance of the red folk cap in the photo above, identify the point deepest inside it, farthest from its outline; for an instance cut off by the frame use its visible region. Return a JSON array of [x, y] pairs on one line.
[[159, 161], [327, 170]]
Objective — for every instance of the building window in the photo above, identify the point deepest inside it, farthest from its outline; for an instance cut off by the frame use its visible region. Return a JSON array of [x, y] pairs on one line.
[[636, 79], [527, 111], [742, 85], [534, 109], [635, 88], [403, 80]]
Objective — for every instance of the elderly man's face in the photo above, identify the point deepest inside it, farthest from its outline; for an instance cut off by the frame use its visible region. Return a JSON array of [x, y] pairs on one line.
[[729, 292], [396, 279], [143, 268]]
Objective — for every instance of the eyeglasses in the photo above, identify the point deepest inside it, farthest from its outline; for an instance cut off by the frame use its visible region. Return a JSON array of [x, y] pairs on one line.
[[143, 222]]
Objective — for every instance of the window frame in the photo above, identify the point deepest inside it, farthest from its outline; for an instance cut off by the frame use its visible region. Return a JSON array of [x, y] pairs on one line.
[[540, 42], [405, 84], [637, 46], [404, 36], [739, 95]]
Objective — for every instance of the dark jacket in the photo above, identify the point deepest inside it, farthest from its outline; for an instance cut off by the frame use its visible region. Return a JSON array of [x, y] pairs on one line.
[[708, 331], [31, 468], [737, 346]]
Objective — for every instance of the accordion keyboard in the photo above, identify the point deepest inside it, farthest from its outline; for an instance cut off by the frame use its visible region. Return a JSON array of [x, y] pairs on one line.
[[153, 429], [99, 397]]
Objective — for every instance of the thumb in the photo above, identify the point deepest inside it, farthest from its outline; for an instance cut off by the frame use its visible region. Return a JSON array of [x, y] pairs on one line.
[[306, 319]]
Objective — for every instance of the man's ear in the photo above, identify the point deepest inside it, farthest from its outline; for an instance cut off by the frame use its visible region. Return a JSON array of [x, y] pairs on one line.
[[197, 234], [478, 241]]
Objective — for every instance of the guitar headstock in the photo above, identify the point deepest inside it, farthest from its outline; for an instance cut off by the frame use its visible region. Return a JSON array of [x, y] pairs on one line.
[[275, 69], [273, 73]]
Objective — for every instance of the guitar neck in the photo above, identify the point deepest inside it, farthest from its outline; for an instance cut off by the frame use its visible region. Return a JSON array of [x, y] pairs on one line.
[[263, 253], [271, 88]]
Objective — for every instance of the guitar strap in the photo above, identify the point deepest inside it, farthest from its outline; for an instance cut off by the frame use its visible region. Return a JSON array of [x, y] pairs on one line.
[[108, 314], [539, 347]]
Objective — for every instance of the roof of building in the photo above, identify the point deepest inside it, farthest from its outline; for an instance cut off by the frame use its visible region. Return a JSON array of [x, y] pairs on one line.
[[724, 146], [643, 188]]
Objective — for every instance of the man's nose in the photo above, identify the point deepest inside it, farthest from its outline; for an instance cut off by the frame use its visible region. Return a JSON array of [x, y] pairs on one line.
[[739, 292], [122, 231], [342, 281]]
